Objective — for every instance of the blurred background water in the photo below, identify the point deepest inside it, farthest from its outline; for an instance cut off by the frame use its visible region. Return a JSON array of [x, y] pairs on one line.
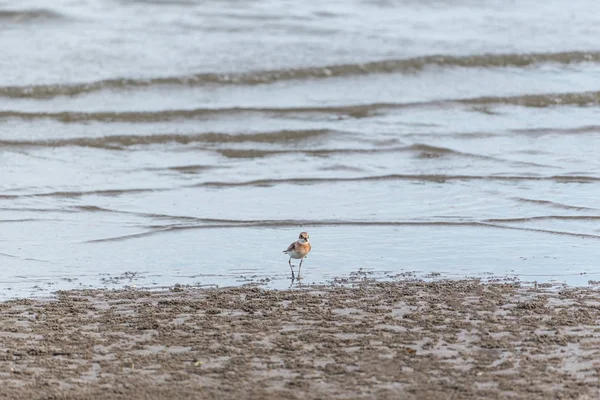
[[159, 142]]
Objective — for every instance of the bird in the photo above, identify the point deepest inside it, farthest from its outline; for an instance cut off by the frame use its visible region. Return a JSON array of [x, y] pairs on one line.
[[298, 250]]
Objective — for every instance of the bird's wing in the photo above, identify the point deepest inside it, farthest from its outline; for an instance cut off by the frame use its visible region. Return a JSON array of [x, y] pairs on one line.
[[291, 247]]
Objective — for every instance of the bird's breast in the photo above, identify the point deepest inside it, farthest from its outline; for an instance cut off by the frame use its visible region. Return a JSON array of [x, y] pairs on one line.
[[303, 247]]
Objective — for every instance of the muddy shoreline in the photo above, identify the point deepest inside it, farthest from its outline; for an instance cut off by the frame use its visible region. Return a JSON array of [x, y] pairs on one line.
[[411, 340]]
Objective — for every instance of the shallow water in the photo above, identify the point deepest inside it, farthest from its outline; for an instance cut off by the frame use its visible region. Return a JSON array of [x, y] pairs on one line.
[[152, 143]]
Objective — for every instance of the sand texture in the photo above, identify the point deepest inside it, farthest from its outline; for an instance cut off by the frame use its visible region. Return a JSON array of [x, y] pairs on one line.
[[409, 340]]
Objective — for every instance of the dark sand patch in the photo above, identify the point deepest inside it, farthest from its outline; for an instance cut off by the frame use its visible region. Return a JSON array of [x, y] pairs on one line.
[[409, 340]]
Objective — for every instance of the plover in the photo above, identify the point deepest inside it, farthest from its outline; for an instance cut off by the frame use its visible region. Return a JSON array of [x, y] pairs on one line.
[[298, 250]]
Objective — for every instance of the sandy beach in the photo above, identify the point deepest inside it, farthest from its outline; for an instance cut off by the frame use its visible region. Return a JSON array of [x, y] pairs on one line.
[[411, 340]]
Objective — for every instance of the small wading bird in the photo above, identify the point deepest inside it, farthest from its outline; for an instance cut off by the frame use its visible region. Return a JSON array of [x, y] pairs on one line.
[[298, 250]]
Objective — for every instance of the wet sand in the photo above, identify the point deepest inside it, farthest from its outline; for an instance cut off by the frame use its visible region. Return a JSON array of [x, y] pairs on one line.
[[410, 340]]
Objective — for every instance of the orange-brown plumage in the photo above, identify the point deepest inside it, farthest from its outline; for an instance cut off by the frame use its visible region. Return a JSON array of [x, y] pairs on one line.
[[298, 250]]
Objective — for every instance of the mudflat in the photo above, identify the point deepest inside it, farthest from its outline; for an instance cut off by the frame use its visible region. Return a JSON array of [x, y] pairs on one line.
[[410, 340]]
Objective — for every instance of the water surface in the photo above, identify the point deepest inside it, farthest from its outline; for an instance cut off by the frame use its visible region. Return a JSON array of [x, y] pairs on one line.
[[152, 143]]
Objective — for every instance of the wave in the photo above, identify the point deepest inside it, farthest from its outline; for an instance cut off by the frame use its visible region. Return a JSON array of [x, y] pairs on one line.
[[160, 229], [356, 111], [117, 142], [582, 99], [180, 222], [121, 142], [75, 194], [580, 130], [549, 231], [405, 65], [278, 223], [420, 150], [185, 221], [552, 204], [18, 16], [315, 181], [408, 177], [545, 218], [190, 169], [10, 221], [258, 153]]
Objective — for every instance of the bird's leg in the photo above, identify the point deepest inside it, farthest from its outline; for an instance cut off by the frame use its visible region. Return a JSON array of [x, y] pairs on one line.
[[292, 268], [300, 266]]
